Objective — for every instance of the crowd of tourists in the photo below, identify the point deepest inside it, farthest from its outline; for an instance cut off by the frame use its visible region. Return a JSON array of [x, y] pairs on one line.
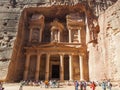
[[82, 85], [105, 85], [46, 84], [1, 86]]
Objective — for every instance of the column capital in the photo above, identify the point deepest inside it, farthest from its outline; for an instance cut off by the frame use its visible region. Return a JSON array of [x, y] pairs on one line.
[[38, 53], [62, 54], [70, 54], [47, 55]]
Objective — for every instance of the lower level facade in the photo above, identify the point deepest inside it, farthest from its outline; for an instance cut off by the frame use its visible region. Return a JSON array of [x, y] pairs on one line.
[[58, 62]]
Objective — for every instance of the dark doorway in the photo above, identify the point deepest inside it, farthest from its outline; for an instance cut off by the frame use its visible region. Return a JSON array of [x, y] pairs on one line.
[[55, 71]]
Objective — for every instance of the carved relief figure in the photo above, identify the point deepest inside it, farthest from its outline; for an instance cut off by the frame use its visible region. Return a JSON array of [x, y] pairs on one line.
[[35, 35], [75, 35], [56, 28], [94, 30]]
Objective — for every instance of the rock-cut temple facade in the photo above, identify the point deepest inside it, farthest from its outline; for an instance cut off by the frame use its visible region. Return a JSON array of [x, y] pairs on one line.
[[53, 45], [61, 41]]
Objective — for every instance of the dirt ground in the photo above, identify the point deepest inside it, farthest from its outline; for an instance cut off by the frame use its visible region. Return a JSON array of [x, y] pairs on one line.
[[16, 86]]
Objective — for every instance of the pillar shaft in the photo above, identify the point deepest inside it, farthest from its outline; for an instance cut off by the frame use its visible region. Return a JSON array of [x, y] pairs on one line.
[[47, 67], [81, 67], [87, 30], [79, 36], [27, 67], [70, 68], [40, 37], [37, 68], [58, 36], [61, 67], [51, 35], [30, 35], [70, 38]]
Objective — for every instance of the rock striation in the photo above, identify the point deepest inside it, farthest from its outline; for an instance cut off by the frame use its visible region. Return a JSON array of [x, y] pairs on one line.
[[103, 54]]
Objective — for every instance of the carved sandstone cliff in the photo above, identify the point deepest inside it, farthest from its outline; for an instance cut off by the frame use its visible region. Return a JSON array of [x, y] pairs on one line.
[[104, 57]]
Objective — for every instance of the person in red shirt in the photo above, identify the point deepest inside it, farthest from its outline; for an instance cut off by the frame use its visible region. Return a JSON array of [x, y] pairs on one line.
[[92, 86]]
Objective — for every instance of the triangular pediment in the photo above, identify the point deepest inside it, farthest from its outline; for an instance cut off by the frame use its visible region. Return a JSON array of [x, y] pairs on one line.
[[54, 45], [57, 47]]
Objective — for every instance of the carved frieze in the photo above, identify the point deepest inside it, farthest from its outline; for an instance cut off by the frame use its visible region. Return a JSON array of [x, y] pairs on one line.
[[35, 35], [74, 21]]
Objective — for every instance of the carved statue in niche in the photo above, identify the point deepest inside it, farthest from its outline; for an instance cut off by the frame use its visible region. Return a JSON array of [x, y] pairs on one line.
[[94, 30], [35, 35], [75, 36], [56, 28], [55, 35]]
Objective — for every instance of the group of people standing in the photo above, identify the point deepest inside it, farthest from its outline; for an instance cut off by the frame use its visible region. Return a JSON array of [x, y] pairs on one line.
[[1, 86], [82, 85]]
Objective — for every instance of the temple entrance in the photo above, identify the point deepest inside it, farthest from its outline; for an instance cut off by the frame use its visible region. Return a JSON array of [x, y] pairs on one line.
[[55, 71]]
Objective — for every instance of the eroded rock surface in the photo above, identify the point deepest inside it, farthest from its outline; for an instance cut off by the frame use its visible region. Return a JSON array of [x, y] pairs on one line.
[[104, 57]]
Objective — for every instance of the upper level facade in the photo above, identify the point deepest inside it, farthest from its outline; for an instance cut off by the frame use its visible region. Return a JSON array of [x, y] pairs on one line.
[[50, 25], [69, 30]]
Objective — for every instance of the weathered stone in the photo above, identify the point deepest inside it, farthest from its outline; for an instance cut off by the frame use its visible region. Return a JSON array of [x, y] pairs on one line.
[[104, 57], [103, 47]]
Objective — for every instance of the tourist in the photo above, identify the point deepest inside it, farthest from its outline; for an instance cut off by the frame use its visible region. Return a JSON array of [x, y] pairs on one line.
[[21, 87], [54, 83], [103, 85], [1, 86], [46, 84], [92, 86], [76, 85], [81, 85], [50, 83], [109, 85], [84, 85]]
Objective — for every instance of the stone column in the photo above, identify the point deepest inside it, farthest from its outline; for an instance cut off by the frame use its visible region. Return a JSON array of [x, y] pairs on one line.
[[61, 68], [70, 68], [47, 67], [40, 37], [27, 66], [30, 35], [70, 38], [58, 36], [51, 35], [87, 30], [37, 68], [79, 36], [81, 67]]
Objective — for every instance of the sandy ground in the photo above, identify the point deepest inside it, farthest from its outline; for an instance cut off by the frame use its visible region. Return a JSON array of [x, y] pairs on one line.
[[15, 86]]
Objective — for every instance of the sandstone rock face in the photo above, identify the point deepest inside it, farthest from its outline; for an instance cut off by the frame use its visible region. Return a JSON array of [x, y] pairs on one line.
[[8, 28], [104, 56]]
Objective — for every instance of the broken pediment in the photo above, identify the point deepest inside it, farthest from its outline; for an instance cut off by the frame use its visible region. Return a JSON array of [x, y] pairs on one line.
[[36, 20], [75, 21], [56, 25]]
